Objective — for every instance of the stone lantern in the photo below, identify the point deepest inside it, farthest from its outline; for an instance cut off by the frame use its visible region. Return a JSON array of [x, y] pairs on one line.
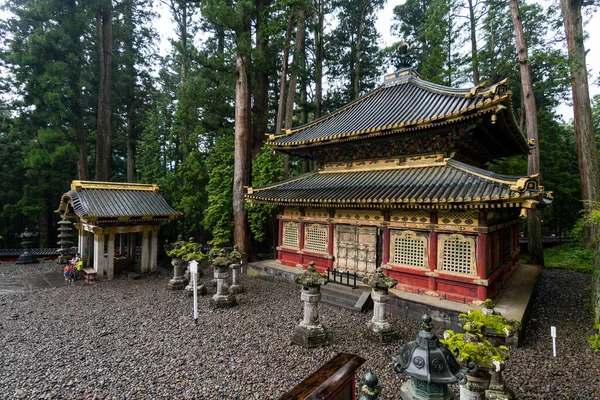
[[379, 329], [236, 270], [222, 298], [430, 365], [310, 332], [27, 256]]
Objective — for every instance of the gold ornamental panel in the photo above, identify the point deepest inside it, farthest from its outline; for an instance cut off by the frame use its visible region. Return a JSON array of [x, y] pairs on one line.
[[365, 215], [458, 217], [456, 253], [291, 211], [408, 249], [316, 213], [410, 216]]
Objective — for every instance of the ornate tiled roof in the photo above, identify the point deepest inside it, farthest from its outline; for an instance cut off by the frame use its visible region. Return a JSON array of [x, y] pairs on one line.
[[405, 102], [422, 180], [97, 201]]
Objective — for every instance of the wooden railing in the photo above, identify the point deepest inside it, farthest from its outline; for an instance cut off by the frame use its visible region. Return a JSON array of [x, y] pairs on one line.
[[335, 380]]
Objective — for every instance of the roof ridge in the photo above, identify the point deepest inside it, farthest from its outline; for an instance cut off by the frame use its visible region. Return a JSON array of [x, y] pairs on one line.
[[78, 185]]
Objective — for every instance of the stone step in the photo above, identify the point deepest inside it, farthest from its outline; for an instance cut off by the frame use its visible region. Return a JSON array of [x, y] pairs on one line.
[[334, 289], [358, 299]]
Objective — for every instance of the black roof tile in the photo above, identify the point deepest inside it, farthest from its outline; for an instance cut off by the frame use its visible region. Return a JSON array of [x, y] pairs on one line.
[[445, 182]]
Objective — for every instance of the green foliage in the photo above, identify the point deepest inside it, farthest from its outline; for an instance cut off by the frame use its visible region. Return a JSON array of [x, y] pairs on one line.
[[266, 169], [571, 256], [218, 217], [188, 251], [472, 347], [478, 322], [594, 342]]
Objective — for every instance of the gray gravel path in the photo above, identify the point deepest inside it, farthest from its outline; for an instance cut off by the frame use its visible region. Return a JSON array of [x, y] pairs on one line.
[[133, 339]]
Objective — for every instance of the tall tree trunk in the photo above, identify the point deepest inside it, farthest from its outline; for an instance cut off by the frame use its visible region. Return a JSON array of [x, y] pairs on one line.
[[282, 85], [129, 91], [243, 137], [587, 154], [318, 33], [297, 66], [284, 70], [183, 74], [357, 45], [474, 52], [534, 217], [77, 107], [304, 114], [103, 145], [262, 79]]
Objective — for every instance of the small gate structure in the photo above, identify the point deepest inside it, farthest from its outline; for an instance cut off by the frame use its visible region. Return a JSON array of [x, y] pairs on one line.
[[336, 276]]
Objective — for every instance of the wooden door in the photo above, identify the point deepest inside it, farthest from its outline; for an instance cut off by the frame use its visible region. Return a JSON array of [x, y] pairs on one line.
[[355, 249]]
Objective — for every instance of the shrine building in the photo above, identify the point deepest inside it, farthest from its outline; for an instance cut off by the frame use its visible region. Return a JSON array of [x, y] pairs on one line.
[[114, 218], [400, 182]]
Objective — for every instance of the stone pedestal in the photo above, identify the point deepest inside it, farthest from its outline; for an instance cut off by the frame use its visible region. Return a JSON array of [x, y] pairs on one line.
[[476, 386], [236, 286], [222, 298], [189, 289], [415, 389], [497, 390], [310, 332], [178, 281], [379, 329]]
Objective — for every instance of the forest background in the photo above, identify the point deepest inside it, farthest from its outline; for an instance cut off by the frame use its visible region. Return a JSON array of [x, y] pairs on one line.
[[87, 91]]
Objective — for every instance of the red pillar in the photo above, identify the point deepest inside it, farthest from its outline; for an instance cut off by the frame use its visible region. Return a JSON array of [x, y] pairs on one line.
[[280, 238], [433, 256], [433, 251], [386, 246], [493, 239], [482, 240], [302, 242], [330, 246]]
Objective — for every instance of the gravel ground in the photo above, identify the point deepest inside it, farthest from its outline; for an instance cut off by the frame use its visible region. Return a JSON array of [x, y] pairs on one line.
[[12, 269], [134, 339]]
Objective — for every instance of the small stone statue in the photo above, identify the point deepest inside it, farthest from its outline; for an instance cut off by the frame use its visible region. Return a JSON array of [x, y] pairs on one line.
[[26, 241]]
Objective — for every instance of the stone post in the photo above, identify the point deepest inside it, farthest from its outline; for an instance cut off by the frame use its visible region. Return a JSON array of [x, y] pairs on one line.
[[310, 332], [222, 298], [236, 286], [64, 242], [178, 281], [379, 329]]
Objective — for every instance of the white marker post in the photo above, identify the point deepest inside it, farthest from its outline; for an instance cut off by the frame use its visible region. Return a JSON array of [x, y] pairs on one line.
[[553, 334], [194, 273]]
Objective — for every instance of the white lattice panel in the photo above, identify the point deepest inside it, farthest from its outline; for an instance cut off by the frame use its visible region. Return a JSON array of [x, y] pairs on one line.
[[291, 235], [456, 253], [457, 217], [316, 238], [407, 248], [409, 216]]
